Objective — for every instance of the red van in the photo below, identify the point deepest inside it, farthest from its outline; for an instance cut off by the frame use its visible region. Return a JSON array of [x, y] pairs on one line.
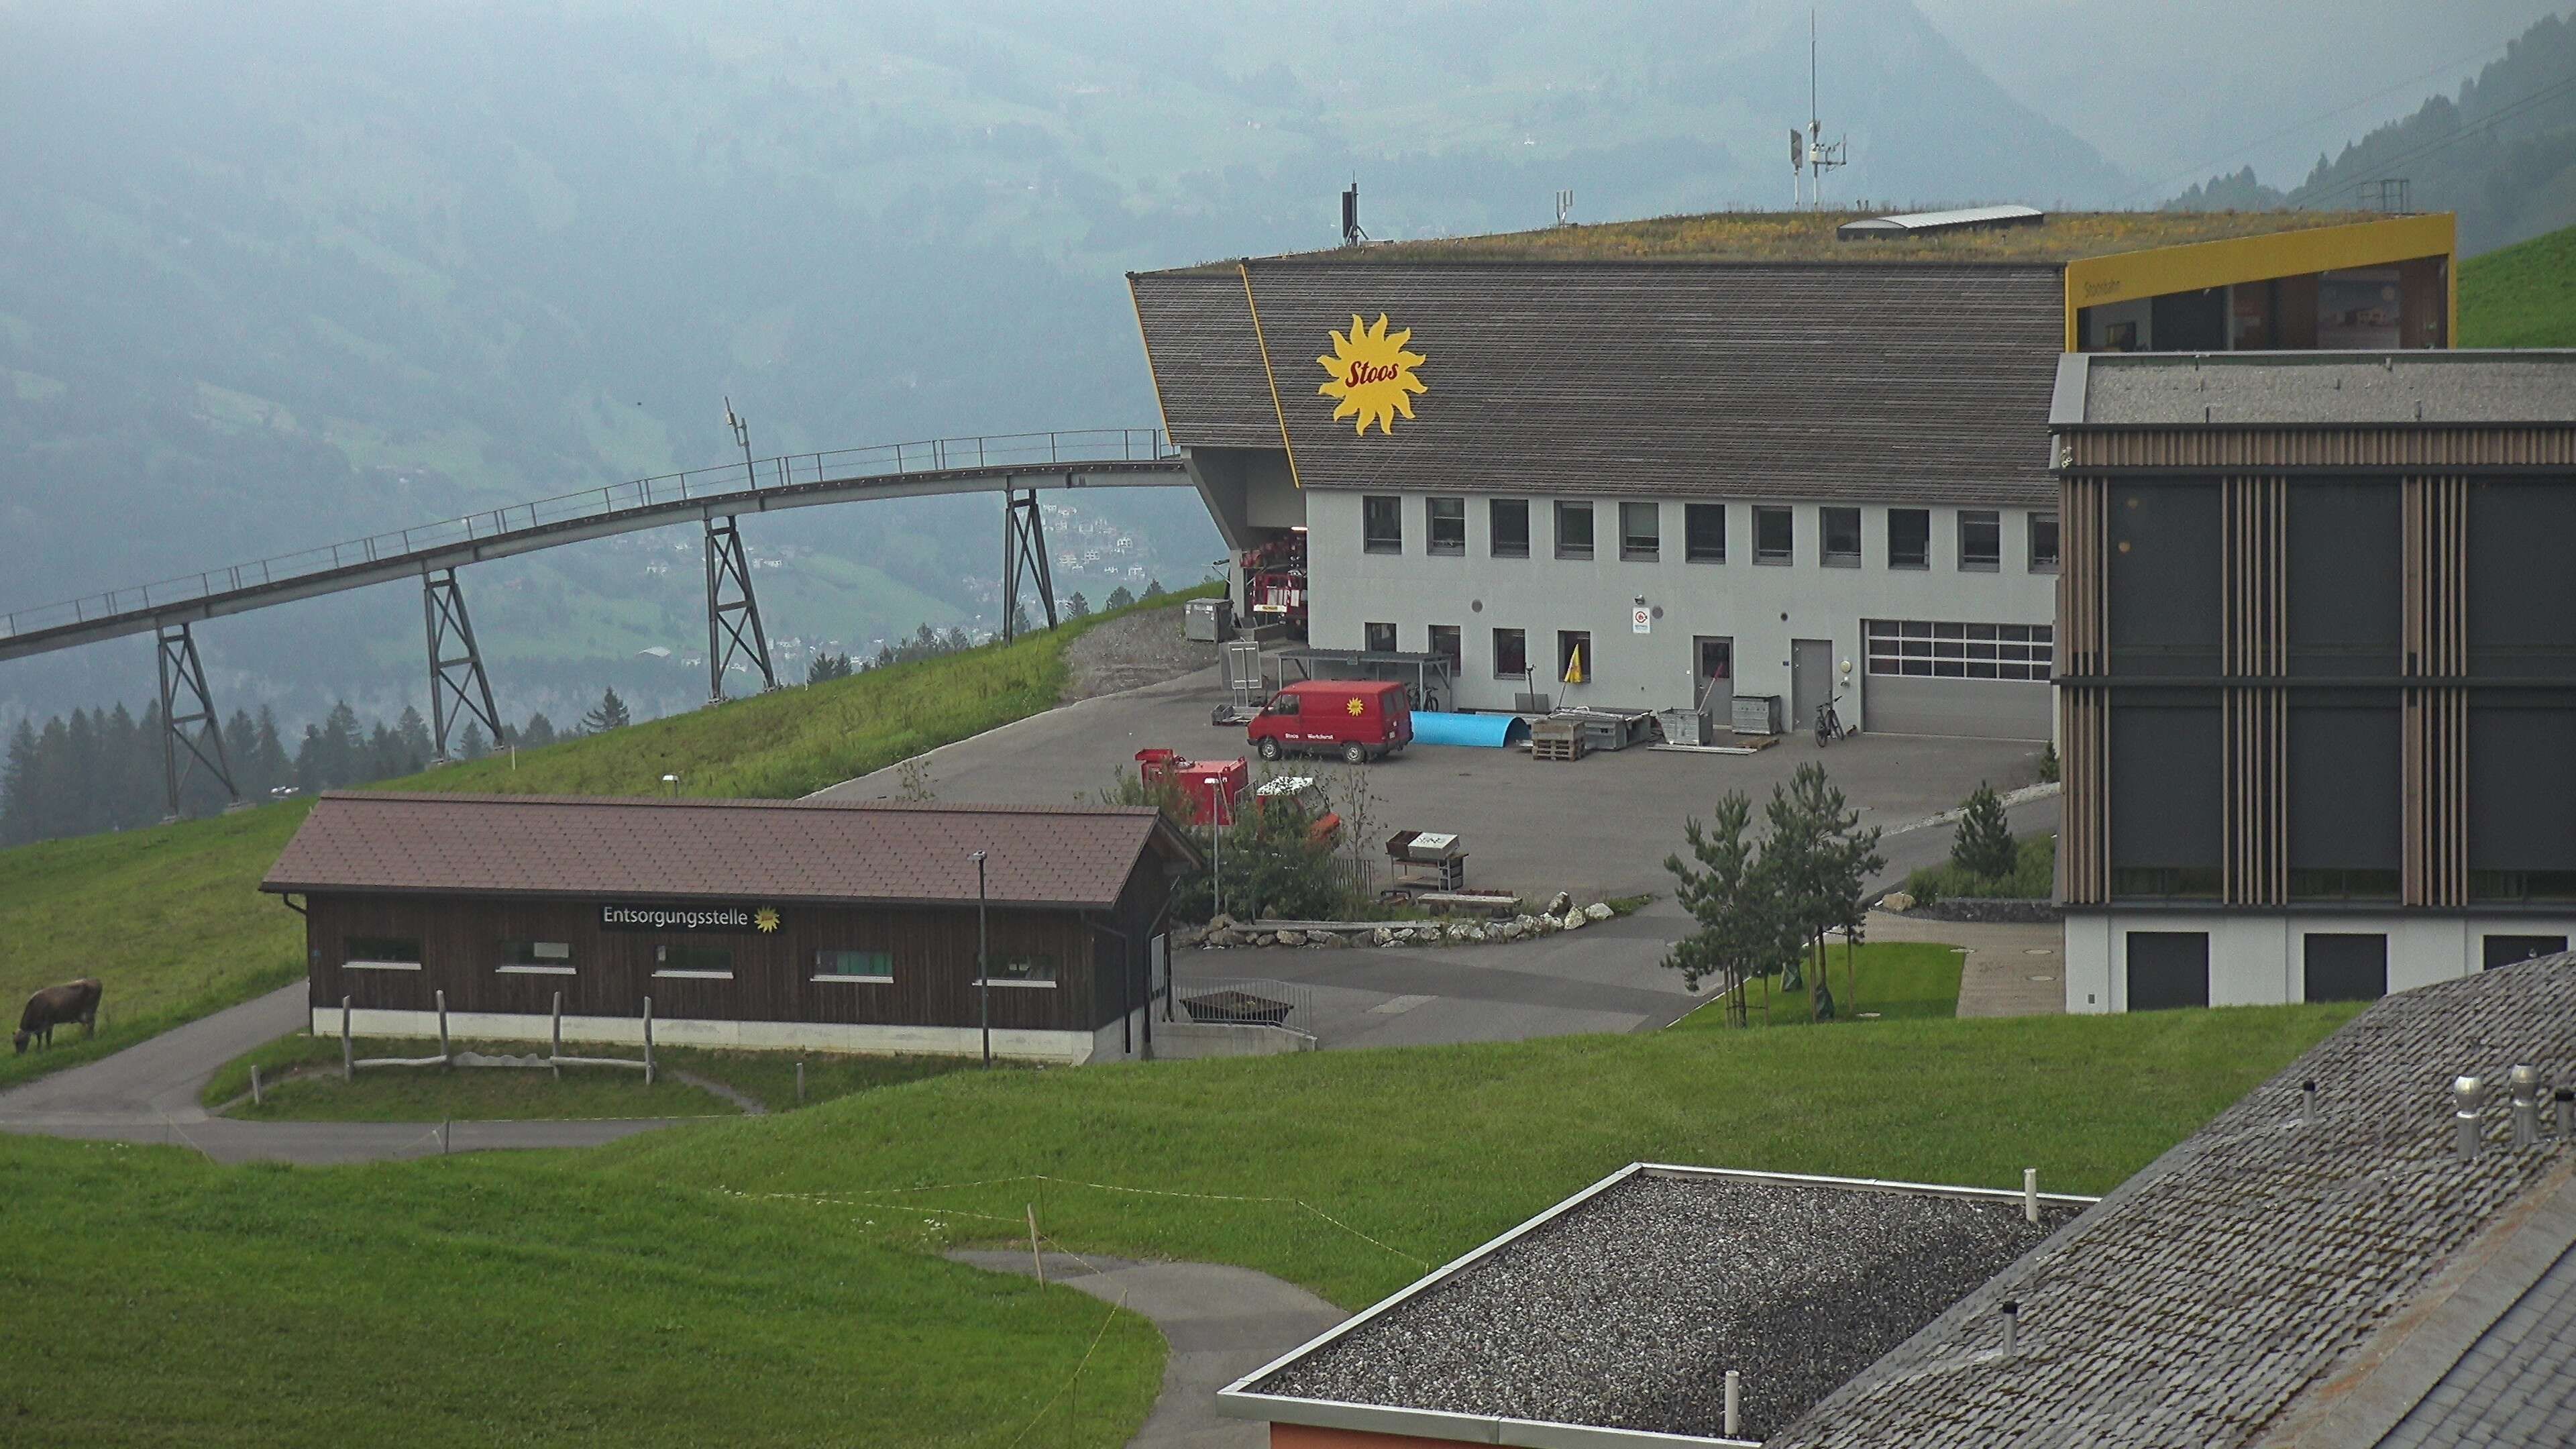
[[1357, 719]]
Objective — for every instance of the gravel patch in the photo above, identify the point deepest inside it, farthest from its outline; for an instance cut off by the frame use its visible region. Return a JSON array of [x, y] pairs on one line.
[[1142, 648], [1627, 1312]]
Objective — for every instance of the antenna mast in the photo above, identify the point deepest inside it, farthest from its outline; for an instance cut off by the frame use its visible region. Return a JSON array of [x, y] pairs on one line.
[[1808, 152]]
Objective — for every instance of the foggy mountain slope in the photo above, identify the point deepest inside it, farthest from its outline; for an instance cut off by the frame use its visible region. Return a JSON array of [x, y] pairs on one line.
[[278, 274]]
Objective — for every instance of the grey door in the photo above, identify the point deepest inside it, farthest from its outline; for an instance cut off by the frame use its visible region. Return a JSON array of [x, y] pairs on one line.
[[1713, 678], [1811, 681], [2168, 969]]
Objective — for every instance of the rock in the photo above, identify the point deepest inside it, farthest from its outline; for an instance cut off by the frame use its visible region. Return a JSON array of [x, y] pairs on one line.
[[1599, 911], [1290, 938], [1329, 940], [1461, 931], [1270, 913], [1382, 936], [1575, 921], [1896, 901], [1560, 904], [1221, 924]]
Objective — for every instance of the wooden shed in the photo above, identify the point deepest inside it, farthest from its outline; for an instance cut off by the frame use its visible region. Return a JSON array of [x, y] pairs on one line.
[[819, 925]]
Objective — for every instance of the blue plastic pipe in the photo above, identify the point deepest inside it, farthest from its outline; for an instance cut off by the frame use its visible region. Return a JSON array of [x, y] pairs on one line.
[[1489, 731]]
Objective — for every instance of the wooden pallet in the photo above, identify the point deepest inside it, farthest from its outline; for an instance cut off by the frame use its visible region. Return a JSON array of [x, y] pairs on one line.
[[1567, 750]]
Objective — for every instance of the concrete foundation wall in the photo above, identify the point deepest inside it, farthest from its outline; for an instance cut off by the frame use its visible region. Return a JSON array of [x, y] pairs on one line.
[[1067, 1048], [2257, 957], [1193, 1040], [1762, 607]]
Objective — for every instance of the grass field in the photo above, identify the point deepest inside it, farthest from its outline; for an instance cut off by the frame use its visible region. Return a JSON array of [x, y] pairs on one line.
[[1418, 1154], [170, 918], [1899, 980], [2521, 296], [513, 1298], [427, 1094]]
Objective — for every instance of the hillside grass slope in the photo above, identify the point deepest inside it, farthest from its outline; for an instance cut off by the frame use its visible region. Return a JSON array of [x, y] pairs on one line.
[[2521, 296]]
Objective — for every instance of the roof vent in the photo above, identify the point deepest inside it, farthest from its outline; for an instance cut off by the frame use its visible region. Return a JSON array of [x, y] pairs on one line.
[[1927, 223], [2464, 1116], [2525, 1079]]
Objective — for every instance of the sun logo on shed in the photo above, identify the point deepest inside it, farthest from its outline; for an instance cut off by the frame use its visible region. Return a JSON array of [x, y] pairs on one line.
[[766, 918], [1371, 375]]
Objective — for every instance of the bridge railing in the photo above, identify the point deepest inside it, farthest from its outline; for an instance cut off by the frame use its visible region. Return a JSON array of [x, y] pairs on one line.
[[793, 470]]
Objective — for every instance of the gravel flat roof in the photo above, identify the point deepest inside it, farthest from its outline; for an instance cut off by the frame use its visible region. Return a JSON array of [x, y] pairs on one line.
[[2323, 389], [1626, 1311]]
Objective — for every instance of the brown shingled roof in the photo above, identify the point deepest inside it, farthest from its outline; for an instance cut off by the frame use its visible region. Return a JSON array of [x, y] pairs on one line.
[[876, 850]]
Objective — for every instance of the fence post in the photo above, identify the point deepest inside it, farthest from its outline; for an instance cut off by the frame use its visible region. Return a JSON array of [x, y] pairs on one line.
[[348, 1054], [254, 1084], [800, 1081], [555, 1054], [446, 1136], [1035, 1257], [444, 1058], [648, 1041]]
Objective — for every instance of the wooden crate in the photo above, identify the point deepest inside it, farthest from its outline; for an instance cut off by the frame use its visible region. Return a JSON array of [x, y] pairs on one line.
[[1556, 739]]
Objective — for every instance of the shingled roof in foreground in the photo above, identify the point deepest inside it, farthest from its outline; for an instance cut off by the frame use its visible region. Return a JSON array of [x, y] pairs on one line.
[[2285, 1276], [680, 849]]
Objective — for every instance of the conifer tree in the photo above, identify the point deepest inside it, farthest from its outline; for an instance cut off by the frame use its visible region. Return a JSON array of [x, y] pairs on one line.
[[1984, 845], [610, 714]]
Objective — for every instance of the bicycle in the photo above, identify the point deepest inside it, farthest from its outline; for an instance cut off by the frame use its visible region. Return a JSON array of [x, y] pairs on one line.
[[1829, 725]]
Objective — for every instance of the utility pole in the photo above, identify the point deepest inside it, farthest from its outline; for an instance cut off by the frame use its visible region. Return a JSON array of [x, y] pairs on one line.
[[983, 964]]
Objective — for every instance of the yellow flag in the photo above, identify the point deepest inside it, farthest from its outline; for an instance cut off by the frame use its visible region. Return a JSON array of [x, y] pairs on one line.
[[1574, 665]]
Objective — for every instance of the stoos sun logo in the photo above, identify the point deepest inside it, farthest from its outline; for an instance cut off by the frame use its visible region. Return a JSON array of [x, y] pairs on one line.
[[1371, 375]]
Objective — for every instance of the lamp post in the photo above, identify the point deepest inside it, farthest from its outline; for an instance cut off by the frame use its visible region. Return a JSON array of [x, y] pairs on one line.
[[983, 964], [1216, 843], [674, 782]]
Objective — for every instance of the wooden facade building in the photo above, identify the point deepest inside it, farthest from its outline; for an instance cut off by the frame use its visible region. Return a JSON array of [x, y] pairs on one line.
[[831, 926], [2318, 671]]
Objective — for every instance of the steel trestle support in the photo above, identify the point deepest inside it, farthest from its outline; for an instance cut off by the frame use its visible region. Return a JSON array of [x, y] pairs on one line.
[[1023, 550], [457, 683], [733, 623], [199, 732]]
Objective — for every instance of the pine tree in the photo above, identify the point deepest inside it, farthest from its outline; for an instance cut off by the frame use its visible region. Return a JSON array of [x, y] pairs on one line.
[[241, 751], [1984, 845], [471, 745], [19, 824], [1732, 898], [344, 747], [132, 768], [1153, 588], [1077, 607], [271, 766], [538, 733], [412, 742], [611, 714], [1119, 598]]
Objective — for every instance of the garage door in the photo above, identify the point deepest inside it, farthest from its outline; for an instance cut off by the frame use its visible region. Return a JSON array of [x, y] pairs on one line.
[[1929, 677], [2168, 969]]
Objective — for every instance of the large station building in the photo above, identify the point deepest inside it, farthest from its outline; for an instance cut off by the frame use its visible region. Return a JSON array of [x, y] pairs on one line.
[[1651, 464]]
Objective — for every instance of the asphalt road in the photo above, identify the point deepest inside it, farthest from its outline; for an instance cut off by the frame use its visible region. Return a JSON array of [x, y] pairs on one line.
[[148, 1093]]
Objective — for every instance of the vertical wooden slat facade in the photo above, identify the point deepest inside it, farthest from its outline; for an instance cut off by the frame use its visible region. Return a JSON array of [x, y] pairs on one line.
[[2083, 599], [2255, 657], [2435, 799]]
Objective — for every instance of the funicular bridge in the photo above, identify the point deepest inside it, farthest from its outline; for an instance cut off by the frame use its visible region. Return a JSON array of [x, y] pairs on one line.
[[1014, 465]]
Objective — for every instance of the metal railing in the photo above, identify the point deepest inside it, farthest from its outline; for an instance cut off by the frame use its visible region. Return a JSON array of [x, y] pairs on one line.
[[766, 475]]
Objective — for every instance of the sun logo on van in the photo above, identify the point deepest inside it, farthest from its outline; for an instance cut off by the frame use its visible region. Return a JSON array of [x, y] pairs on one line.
[[766, 918], [1371, 375], [1352, 706]]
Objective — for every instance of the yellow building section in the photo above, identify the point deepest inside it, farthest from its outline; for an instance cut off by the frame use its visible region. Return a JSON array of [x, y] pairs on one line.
[[2128, 276]]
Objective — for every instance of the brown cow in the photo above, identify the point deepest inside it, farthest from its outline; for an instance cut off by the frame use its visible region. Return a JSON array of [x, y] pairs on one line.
[[58, 1006]]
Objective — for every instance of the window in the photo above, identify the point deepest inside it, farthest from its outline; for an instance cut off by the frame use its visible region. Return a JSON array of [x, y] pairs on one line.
[[2161, 882], [2342, 885], [2522, 885], [1704, 532], [1448, 518], [1281, 703], [1511, 654], [1641, 528], [1960, 651], [854, 966], [536, 958], [1842, 538], [1024, 968], [1379, 638], [1574, 661], [1981, 540], [1909, 538], [381, 953], [2168, 969], [2043, 543], [1574, 530], [1507, 524], [1775, 536], [1382, 524], [1444, 643], [703, 963]]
